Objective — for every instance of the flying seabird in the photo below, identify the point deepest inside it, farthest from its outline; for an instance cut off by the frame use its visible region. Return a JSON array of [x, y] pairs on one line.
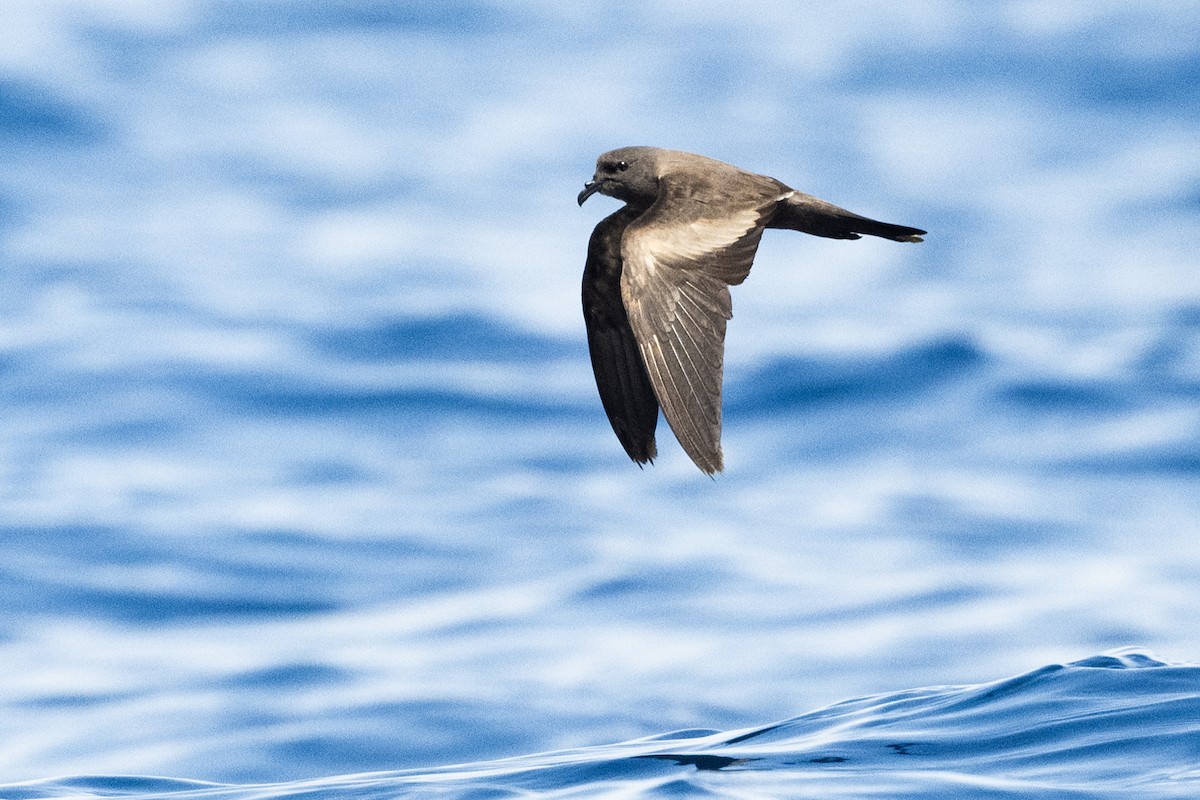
[[656, 284]]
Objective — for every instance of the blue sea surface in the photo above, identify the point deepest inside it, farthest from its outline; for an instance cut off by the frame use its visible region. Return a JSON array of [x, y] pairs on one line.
[[1121, 725], [305, 488]]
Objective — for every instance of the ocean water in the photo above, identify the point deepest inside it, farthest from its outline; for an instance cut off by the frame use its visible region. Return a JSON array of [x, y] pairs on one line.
[[305, 488], [1122, 725]]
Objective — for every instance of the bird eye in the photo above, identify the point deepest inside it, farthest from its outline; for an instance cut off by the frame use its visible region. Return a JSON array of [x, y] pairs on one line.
[[622, 166]]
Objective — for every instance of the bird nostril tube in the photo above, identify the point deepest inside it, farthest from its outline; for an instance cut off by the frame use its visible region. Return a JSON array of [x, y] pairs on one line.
[[589, 189]]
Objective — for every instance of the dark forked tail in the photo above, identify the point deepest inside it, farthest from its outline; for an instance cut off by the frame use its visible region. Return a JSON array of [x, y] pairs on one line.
[[808, 214]]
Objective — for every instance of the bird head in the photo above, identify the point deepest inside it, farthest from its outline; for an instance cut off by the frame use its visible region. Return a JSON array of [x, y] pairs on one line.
[[628, 174]]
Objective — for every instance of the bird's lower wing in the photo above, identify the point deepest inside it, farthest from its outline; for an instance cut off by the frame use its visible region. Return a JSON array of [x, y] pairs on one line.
[[621, 378]]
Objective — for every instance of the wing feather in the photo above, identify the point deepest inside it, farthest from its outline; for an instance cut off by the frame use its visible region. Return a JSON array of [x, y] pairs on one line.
[[679, 261], [625, 390]]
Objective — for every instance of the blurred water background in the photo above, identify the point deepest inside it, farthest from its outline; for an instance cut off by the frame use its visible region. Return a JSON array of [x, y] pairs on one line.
[[303, 472]]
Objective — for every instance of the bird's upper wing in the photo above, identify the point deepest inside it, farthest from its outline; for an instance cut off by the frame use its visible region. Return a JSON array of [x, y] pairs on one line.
[[680, 257], [625, 389]]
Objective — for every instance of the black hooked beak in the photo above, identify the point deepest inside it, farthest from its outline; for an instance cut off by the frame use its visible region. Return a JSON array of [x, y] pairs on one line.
[[589, 189]]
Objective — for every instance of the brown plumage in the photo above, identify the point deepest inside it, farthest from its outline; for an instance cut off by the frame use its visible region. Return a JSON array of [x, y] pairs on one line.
[[656, 284]]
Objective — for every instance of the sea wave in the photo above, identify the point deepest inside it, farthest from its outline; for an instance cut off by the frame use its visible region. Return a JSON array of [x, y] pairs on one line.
[[1122, 724]]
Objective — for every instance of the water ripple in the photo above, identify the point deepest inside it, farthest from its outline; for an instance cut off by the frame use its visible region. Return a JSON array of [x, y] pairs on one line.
[[1122, 724]]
